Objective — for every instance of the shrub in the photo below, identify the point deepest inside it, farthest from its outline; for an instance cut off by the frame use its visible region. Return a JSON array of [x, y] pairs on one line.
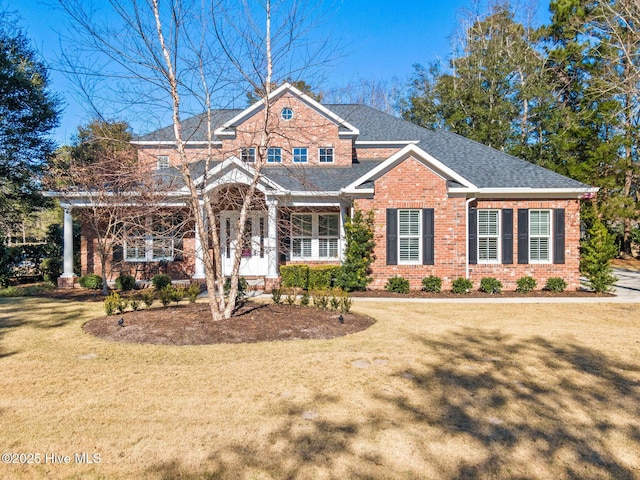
[[178, 294], [295, 276], [125, 282], [122, 305], [336, 299], [358, 253], [461, 285], [243, 286], [193, 291], [490, 285], [91, 281], [432, 284], [345, 303], [148, 297], [322, 277], [596, 251], [525, 284], [304, 300], [135, 302], [397, 284], [112, 303], [555, 284], [51, 268], [160, 281], [292, 295], [276, 295], [165, 294], [320, 299]]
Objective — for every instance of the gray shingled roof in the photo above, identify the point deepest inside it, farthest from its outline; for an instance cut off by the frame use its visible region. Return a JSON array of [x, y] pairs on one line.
[[483, 166]]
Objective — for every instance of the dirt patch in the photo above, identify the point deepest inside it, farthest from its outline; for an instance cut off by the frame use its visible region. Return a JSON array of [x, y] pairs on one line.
[[478, 294], [192, 325]]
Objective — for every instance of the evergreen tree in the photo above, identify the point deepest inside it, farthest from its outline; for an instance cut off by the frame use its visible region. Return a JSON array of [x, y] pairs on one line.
[[354, 274], [596, 251]]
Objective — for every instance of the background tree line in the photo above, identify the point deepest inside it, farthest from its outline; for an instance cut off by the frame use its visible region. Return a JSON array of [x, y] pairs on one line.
[[564, 96]]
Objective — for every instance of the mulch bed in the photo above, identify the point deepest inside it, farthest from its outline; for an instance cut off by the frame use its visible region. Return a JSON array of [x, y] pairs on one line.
[[478, 294], [192, 325]]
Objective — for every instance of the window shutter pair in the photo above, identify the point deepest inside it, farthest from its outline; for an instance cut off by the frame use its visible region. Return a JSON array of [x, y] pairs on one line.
[[558, 235], [428, 236], [506, 234]]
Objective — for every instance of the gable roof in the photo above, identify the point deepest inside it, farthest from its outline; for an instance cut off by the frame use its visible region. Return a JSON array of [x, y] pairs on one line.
[[469, 162]]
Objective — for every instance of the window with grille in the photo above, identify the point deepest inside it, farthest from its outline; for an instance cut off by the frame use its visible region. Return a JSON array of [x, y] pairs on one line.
[[539, 236], [274, 155], [409, 229], [325, 155], [328, 233], [488, 235], [301, 235]]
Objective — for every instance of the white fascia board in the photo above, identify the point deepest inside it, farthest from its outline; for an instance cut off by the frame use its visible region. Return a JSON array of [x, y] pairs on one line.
[[231, 163], [410, 150], [384, 143], [278, 92], [145, 143], [542, 193]]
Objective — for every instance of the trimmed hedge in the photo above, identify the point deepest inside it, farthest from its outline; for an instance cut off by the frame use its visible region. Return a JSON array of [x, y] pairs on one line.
[[321, 277], [91, 281], [295, 276], [125, 282], [397, 284]]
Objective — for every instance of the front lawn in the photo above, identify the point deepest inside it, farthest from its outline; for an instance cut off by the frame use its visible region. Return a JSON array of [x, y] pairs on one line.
[[428, 391]]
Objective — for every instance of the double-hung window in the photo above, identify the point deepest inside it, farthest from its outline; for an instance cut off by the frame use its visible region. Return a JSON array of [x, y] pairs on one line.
[[300, 154], [152, 240], [409, 228], [274, 155], [539, 236], [328, 233], [162, 162], [301, 235], [325, 155], [135, 245], [248, 155], [488, 235]]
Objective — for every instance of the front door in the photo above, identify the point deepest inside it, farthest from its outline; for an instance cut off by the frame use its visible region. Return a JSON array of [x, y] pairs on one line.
[[254, 261]]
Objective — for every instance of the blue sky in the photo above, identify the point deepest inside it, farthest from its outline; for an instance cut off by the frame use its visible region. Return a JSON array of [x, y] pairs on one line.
[[381, 40]]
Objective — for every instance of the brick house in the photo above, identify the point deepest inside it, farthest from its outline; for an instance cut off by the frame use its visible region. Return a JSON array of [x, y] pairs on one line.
[[443, 205]]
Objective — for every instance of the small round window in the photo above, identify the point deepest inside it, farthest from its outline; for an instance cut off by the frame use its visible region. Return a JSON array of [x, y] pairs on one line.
[[286, 114]]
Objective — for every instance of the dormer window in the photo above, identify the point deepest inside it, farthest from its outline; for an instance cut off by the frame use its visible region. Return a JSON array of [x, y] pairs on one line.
[[248, 155], [162, 162], [286, 113]]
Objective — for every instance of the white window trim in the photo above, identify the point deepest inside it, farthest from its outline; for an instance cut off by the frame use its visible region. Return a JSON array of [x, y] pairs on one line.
[[320, 154], [315, 238], [279, 154], [497, 237], [549, 237], [419, 237], [162, 162], [149, 240], [306, 156]]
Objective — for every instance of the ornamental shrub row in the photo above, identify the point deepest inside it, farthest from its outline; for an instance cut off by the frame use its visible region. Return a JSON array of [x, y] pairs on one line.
[[309, 277], [462, 285]]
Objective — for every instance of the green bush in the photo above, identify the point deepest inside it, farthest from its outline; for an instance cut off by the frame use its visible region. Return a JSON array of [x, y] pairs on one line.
[[358, 252], [461, 285], [91, 281], [397, 284], [193, 291], [321, 277], [291, 295], [295, 276], [555, 284], [345, 303], [304, 299], [51, 268], [135, 302], [490, 285], [526, 284], [276, 295], [243, 287], [320, 299], [148, 297], [160, 281], [112, 303], [596, 252], [166, 295], [432, 284], [125, 282]]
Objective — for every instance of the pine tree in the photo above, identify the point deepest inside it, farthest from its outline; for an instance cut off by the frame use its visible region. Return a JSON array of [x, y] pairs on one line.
[[354, 274], [596, 251]]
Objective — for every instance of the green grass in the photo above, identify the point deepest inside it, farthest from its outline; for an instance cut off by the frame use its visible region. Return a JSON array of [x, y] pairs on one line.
[[430, 391]]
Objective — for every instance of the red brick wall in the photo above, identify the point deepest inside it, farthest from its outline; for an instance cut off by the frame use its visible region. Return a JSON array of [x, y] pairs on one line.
[[412, 185]]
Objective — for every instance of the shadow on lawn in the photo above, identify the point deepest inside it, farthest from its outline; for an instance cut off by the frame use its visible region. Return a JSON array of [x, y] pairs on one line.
[[527, 408]]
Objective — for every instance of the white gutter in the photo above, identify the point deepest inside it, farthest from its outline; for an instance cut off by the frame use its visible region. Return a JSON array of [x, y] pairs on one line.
[[466, 223]]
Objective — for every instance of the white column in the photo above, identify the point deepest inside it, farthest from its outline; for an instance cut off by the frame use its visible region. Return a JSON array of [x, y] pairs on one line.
[[344, 213], [67, 249], [199, 265], [271, 242]]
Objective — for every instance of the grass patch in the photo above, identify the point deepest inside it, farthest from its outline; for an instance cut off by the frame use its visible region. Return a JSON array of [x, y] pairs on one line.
[[429, 391]]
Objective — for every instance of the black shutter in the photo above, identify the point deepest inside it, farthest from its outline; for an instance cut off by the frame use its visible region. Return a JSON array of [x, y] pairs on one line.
[[558, 235], [473, 236], [523, 235], [507, 236], [428, 245], [392, 236], [118, 253]]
